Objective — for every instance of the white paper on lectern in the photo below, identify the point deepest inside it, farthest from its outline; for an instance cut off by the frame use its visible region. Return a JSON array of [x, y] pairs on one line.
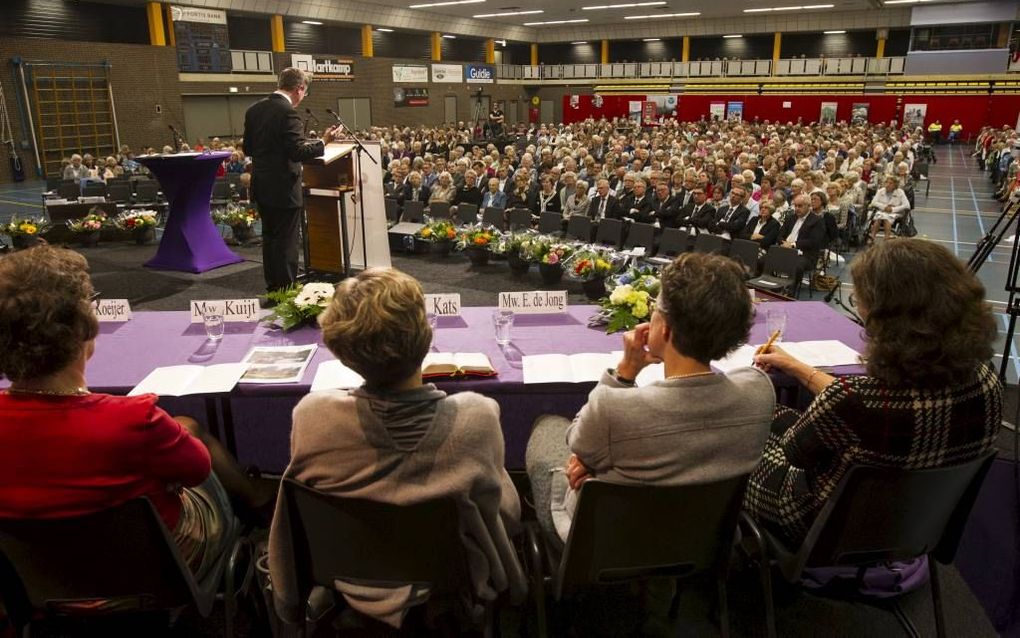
[[179, 381], [823, 354], [334, 375], [566, 368]]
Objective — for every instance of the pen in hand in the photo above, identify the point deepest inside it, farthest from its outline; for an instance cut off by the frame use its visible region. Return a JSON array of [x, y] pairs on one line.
[[768, 344]]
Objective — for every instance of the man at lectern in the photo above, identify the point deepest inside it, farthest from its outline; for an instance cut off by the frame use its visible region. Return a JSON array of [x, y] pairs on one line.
[[273, 136]]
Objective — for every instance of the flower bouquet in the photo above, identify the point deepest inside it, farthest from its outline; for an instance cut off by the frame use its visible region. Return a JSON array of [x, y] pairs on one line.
[[140, 223], [631, 299], [241, 221], [511, 245], [476, 241], [551, 264], [591, 265], [299, 305], [25, 231], [440, 233], [86, 230]]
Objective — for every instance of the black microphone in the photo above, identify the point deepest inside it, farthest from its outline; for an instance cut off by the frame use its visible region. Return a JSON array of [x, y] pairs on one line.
[[337, 117], [311, 115], [832, 293]]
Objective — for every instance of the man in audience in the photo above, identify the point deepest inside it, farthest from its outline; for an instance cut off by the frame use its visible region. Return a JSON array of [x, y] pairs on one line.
[[665, 205], [76, 170], [733, 217], [638, 206], [805, 232], [604, 204]]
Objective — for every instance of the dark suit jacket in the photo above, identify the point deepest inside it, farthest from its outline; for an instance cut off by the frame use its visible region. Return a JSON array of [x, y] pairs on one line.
[[423, 194], [553, 206], [769, 232], [612, 206], [639, 211], [525, 200], [666, 210], [810, 239], [274, 137], [465, 195], [736, 221], [705, 218]]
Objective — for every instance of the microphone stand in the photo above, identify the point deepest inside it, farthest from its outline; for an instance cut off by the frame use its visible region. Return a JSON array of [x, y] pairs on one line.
[[177, 139], [361, 151]]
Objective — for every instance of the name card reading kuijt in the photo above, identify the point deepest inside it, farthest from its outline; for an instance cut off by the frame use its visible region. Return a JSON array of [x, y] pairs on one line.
[[112, 310], [535, 302], [233, 310], [443, 305]]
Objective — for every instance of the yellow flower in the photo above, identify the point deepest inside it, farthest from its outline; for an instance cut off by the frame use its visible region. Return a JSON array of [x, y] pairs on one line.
[[640, 310], [28, 229], [426, 232], [621, 294]]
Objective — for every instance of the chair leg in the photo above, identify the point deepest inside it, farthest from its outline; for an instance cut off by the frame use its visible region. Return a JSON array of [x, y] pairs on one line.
[[724, 607], [936, 597], [534, 554]]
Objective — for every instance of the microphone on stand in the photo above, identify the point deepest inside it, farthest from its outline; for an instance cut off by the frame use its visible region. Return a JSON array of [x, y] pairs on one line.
[[176, 137], [311, 116], [832, 293]]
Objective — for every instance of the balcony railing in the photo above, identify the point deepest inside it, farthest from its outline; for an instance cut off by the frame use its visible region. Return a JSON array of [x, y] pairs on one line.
[[704, 69]]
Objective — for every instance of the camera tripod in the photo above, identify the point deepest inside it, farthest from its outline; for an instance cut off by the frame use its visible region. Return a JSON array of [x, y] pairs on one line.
[[479, 118]]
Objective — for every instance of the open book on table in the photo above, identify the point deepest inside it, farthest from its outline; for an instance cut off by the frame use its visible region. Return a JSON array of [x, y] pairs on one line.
[[450, 364]]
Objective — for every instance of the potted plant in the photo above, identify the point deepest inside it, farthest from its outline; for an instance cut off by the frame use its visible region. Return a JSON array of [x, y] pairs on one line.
[[241, 221], [87, 229], [299, 305], [631, 299], [25, 231], [140, 223], [551, 266], [438, 234], [510, 246], [591, 266], [476, 241]]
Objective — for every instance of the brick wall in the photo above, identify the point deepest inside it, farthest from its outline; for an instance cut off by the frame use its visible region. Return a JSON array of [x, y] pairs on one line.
[[142, 77]]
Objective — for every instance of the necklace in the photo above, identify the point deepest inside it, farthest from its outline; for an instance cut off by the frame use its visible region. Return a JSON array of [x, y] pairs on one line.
[[689, 374], [77, 392]]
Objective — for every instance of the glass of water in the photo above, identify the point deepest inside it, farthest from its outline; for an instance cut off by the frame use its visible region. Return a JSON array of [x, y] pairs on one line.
[[433, 320], [213, 325], [502, 320], [775, 319]]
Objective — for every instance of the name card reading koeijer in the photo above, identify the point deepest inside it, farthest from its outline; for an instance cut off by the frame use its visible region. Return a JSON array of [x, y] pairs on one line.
[[112, 310], [443, 305], [535, 302], [233, 310]]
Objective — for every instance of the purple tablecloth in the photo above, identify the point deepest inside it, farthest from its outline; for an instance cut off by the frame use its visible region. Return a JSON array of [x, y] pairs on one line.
[[126, 352], [190, 241]]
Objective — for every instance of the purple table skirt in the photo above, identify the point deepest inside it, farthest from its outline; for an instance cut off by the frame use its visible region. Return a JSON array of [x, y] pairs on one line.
[[127, 352]]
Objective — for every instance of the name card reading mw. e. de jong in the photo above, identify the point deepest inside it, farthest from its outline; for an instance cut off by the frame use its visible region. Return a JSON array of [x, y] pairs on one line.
[[534, 302], [112, 310], [443, 305], [232, 310]]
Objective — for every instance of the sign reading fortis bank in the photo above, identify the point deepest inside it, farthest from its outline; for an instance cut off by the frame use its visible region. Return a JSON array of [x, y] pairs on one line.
[[335, 69], [479, 74], [194, 14]]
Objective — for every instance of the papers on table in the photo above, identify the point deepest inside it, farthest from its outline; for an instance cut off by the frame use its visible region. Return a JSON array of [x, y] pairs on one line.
[[178, 381], [279, 364], [742, 357], [567, 368], [333, 375], [817, 354]]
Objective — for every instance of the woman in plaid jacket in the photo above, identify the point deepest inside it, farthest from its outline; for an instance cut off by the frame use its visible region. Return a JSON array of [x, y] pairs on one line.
[[929, 399]]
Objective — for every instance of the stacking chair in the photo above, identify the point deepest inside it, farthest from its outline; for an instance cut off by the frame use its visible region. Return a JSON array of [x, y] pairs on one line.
[[70, 191], [93, 189], [493, 217], [53, 182], [641, 235], [622, 533], [921, 172], [708, 243], [121, 560], [392, 209], [234, 179], [520, 218], [120, 191], [414, 212], [579, 227], [221, 193], [440, 210], [467, 213], [745, 252], [550, 223], [876, 515], [146, 192], [610, 233], [331, 539], [779, 271]]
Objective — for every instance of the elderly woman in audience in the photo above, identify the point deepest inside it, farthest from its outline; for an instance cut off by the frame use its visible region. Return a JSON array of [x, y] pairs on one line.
[[890, 204], [578, 201], [66, 451], [443, 190], [927, 354], [111, 169], [76, 170], [398, 440]]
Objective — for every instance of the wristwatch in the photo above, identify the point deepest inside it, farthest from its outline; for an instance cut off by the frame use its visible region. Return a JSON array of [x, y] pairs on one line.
[[621, 379]]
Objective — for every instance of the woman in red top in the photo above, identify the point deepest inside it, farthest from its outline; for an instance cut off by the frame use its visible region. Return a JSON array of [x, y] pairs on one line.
[[65, 451]]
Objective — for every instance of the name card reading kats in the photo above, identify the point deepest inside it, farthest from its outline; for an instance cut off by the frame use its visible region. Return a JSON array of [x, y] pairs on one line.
[[112, 310], [443, 305], [233, 310], [534, 302]]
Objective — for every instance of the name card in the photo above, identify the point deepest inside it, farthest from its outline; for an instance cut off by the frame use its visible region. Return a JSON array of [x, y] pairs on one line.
[[535, 302], [443, 305], [233, 310], [112, 310]]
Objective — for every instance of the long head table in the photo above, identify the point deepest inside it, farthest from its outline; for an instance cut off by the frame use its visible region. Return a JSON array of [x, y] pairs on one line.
[[127, 352]]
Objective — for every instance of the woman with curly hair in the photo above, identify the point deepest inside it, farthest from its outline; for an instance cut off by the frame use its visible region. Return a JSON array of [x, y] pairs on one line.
[[929, 398]]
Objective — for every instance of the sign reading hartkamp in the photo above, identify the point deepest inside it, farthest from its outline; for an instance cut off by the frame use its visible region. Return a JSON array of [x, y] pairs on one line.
[[448, 73], [479, 74], [329, 69]]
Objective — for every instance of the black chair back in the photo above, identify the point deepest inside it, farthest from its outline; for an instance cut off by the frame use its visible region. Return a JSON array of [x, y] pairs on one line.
[[610, 233], [745, 252], [69, 190], [626, 532], [674, 241], [94, 189], [781, 261], [53, 182], [234, 179], [520, 218], [550, 222], [392, 209], [221, 190], [579, 227], [492, 216], [414, 212], [146, 191], [706, 243], [120, 192], [117, 560], [440, 210], [332, 538], [640, 234], [468, 213]]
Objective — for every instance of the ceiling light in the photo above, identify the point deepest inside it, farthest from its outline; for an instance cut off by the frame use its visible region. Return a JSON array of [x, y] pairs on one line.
[[449, 37], [735, 35], [833, 32], [311, 22], [689, 14], [501, 43], [819, 6], [384, 30], [651, 39], [536, 24], [509, 13], [799, 7], [626, 5], [580, 42], [443, 4]]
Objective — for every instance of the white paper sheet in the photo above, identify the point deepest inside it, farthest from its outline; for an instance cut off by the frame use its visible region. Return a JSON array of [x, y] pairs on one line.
[[178, 381], [333, 375], [742, 357], [823, 354], [566, 368]]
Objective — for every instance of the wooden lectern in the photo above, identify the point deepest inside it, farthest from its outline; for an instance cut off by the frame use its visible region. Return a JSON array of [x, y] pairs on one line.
[[338, 236]]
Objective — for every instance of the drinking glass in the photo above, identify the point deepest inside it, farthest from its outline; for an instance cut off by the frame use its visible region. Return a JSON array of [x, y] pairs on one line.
[[433, 320], [213, 325], [502, 320], [775, 319]]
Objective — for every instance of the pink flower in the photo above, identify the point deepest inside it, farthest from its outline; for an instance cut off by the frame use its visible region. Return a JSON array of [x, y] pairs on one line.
[[553, 258]]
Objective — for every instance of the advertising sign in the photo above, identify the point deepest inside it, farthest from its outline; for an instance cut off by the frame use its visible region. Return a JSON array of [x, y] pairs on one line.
[[410, 96], [480, 74], [448, 73], [328, 69], [414, 74]]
